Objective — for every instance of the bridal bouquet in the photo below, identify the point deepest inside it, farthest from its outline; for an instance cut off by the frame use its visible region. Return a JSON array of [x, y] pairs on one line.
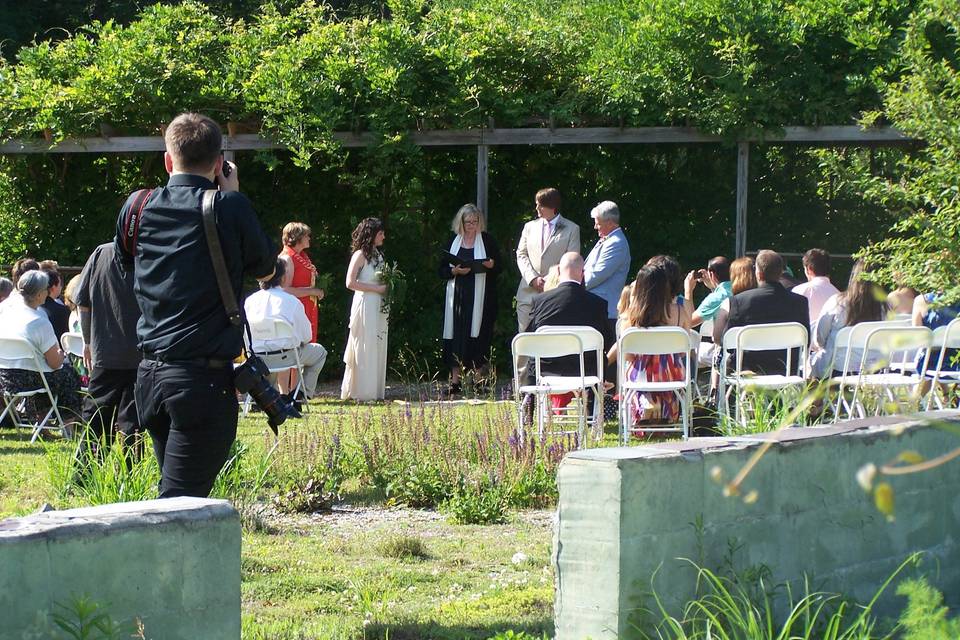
[[396, 283]]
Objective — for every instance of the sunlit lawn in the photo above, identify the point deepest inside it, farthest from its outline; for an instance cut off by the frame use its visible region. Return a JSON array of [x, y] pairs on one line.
[[337, 575]]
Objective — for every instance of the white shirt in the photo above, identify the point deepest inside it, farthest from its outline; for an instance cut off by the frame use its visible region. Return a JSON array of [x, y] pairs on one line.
[[20, 321], [817, 291], [13, 300], [277, 304]]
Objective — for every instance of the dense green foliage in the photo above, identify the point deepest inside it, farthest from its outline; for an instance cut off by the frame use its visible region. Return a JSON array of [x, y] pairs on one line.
[[924, 249], [301, 71]]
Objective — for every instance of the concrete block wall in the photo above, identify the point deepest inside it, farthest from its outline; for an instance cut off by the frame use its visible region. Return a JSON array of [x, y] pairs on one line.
[[626, 513], [174, 564]]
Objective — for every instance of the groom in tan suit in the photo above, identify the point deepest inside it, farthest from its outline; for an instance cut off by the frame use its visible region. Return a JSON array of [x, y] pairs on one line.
[[542, 244]]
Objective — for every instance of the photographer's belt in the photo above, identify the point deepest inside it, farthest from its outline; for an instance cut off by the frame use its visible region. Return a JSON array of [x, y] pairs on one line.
[[206, 363]]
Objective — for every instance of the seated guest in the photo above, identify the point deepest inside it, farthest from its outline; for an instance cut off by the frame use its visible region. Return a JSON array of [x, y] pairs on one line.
[[23, 320], [622, 305], [742, 278], [70, 299], [273, 303], [6, 286], [653, 304], [927, 313], [57, 312], [861, 302], [20, 267], [675, 276], [818, 288], [716, 278], [769, 302], [570, 304], [900, 300]]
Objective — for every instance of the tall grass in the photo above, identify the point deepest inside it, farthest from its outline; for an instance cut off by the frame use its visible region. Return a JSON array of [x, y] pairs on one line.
[[468, 461], [729, 609]]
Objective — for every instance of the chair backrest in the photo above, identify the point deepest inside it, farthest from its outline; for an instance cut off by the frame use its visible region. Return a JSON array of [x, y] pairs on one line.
[[654, 341], [554, 344], [775, 336], [271, 329], [706, 329], [891, 340], [948, 336], [856, 336], [591, 339], [12, 349], [72, 343]]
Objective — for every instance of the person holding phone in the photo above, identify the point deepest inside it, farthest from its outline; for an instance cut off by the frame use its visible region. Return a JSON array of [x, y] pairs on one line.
[[185, 394]]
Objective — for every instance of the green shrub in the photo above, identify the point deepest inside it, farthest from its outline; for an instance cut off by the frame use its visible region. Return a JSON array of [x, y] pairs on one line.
[[925, 617], [403, 547], [480, 502]]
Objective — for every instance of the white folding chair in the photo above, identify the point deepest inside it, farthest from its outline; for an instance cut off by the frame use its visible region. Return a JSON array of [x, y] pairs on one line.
[[554, 344], [72, 345], [944, 338], [654, 341], [777, 336], [18, 349], [277, 329], [878, 346], [592, 340]]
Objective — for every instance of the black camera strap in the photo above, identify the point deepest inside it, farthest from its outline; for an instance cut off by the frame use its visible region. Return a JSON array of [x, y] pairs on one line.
[[220, 264]]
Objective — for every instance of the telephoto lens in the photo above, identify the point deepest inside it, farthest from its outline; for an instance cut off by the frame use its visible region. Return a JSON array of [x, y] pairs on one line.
[[251, 377]]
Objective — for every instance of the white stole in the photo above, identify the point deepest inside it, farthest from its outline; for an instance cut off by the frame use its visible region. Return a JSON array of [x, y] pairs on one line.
[[479, 288]]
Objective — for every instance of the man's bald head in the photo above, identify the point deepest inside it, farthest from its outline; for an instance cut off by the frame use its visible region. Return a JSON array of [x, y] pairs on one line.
[[571, 267]]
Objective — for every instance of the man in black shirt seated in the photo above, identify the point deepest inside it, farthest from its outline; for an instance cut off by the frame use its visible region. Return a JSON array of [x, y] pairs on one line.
[[769, 302], [185, 384]]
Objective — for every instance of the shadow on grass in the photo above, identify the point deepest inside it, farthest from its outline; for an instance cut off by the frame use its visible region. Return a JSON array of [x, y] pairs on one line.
[[435, 631], [17, 442]]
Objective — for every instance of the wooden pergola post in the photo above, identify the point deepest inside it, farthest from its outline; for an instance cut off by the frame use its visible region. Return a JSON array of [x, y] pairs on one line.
[[483, 155], [743, 170]]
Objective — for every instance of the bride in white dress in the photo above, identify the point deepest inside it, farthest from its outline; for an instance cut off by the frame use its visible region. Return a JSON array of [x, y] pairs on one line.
[[366, 352]]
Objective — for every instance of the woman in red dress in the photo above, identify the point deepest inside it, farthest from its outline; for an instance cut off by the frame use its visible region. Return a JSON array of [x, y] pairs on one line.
[[300, 276]]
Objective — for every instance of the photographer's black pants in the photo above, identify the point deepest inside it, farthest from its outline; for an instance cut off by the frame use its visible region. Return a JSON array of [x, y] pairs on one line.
[[191, 414]]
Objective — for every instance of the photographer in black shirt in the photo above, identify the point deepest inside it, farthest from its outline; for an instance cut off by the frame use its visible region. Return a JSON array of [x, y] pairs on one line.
[[185, 392]]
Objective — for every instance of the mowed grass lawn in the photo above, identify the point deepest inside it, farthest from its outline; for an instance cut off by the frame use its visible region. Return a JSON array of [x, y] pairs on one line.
[[365, 570]]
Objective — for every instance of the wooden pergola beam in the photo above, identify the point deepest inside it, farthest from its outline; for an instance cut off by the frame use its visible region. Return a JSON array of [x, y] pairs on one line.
[[839, 135]]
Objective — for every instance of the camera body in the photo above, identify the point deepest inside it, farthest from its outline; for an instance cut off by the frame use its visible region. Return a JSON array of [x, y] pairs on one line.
[[701, 275], [251, 377]]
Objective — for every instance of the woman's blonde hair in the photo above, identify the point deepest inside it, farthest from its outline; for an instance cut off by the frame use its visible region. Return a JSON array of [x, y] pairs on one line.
[[552, 281], [71, 291], [294, 232], [466, 210], [624, 303]]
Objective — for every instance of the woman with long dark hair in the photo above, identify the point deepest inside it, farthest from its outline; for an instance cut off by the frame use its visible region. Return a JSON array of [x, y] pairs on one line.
[[653, 304], [863, 301], [366, 353]]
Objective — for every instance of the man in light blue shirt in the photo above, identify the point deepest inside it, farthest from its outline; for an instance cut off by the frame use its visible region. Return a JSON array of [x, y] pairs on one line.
[[608, 263], [715, 277]]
